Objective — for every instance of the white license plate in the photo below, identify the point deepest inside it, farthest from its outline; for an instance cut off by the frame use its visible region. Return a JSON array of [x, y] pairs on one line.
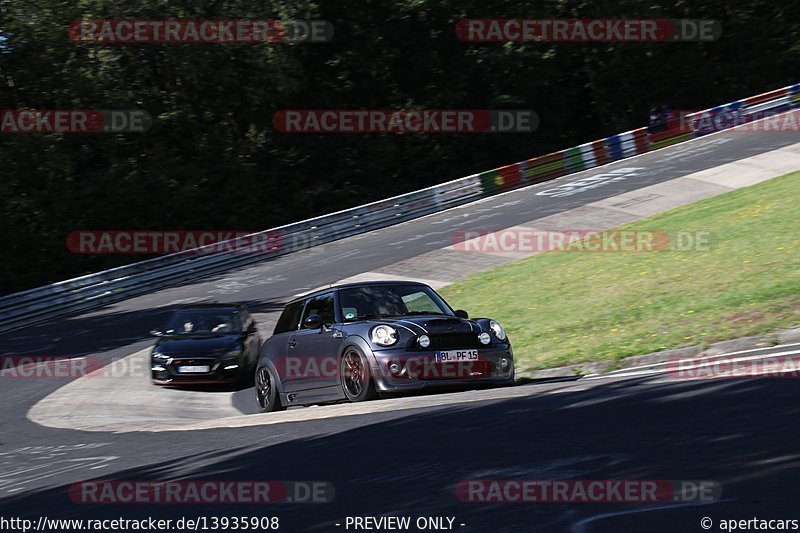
[[193, 369], [455, 356]]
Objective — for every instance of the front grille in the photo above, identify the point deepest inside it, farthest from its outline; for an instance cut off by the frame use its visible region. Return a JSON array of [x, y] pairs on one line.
[[212, 364], [446, 341], [193, 361]]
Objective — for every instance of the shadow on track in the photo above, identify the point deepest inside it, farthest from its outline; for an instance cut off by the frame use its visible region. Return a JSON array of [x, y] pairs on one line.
[[737, 432]]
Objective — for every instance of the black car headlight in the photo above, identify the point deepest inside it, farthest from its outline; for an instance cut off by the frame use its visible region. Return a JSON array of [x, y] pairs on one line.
[[384, 335], [233, 354], [230, 359], [497, 329], [159, 356]]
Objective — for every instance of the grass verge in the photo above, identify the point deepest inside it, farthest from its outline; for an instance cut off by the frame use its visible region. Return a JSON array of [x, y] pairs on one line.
[[570, 307]]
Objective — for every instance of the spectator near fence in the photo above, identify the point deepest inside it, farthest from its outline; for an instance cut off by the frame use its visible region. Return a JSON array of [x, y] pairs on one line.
[[660, 119]]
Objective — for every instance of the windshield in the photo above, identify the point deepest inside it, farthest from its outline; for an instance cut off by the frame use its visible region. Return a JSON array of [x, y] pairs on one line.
[[193, 322], [375, 301]]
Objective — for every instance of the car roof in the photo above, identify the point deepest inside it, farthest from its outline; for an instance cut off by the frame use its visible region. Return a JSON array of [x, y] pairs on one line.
[[354, 284]]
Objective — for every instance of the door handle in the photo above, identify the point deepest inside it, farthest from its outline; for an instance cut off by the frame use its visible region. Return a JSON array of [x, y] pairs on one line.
[[292, 343]]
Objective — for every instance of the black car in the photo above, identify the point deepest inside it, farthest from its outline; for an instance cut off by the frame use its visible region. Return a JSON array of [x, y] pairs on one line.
[[357, 341], [206, 343]]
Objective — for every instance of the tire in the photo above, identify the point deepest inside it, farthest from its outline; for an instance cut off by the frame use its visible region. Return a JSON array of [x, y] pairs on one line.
[[355, 377], [267, 397]]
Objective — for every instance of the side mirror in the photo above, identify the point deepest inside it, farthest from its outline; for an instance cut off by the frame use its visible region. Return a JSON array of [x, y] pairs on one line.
[[156, 333], [460, 313], [313, 322]]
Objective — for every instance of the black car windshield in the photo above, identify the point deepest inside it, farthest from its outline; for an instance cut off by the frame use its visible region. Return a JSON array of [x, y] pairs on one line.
[[375, 301], [194, 322]]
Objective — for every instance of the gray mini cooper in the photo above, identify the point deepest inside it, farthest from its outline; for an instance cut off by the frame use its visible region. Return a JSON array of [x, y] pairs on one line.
[[358, 341]]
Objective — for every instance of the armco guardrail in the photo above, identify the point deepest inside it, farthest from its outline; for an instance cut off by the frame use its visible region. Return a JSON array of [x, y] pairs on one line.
[[88, 292]]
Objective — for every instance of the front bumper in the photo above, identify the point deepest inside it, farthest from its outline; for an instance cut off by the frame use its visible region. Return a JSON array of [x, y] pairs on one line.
[[419, 370], [167, 372]]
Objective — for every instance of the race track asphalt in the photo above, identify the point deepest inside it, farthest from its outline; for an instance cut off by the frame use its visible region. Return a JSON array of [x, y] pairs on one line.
[[739, 433]]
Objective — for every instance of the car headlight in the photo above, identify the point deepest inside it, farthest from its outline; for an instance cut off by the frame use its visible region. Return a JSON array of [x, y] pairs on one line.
[[384, 335], [484, 338], [233, 353], [160, 355], [497, 329]]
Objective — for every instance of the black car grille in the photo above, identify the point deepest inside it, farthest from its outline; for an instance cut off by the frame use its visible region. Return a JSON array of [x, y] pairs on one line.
[[445, 341], [193, 361]]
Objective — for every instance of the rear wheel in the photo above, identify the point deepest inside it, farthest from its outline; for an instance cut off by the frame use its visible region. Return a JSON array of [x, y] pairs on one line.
[[354, 376], [267, 391]]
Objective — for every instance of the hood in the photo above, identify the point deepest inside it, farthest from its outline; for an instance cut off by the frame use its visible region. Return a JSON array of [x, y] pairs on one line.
[[209, 346], [434, 324]]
